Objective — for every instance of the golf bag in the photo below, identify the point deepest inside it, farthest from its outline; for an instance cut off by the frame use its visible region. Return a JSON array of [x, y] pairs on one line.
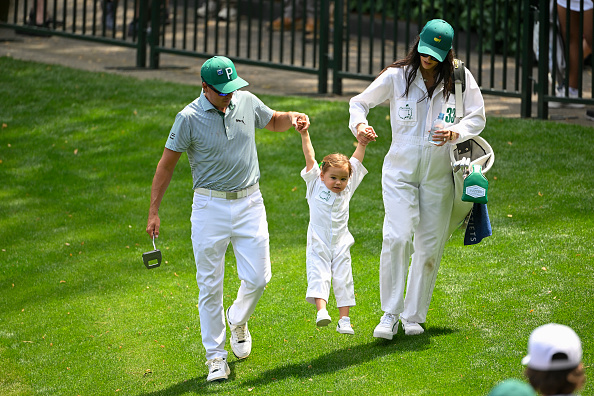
[[476, 149], [480, 153]]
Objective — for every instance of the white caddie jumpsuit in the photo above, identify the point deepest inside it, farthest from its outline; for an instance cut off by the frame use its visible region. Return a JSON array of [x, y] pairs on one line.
[[417, 184], [328, 257]]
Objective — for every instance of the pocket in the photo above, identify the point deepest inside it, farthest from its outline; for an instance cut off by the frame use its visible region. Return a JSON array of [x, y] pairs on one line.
[[200, 201], [406, 112], [256, 199]]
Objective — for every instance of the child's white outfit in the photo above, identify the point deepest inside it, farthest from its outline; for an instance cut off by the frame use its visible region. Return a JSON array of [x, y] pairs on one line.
[[329, 241]]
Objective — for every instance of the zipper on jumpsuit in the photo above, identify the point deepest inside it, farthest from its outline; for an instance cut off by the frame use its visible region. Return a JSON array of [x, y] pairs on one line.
[[428, 148]]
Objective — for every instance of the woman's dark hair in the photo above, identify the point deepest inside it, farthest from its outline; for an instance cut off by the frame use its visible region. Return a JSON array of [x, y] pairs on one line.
[[552, 382], [444, 70]]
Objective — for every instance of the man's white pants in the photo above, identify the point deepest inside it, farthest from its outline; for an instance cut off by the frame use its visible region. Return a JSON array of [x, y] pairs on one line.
[[418, 193], [215, 223]]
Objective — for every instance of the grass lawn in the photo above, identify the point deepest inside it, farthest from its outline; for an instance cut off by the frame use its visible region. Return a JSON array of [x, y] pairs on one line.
[[81, 315]]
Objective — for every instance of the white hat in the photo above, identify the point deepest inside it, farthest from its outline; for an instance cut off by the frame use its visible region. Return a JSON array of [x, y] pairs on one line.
[[548, 340]]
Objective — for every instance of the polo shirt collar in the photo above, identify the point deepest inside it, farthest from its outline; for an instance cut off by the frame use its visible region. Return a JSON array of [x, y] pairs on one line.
[[207, 106]]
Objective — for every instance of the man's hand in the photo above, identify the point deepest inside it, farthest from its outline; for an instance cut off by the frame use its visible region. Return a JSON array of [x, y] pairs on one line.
[[300, 121], [153, 225]]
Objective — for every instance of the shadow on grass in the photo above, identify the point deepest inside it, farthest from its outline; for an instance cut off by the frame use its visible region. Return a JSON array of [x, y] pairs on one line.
[[343, 358], [339, 359], [198, 385]]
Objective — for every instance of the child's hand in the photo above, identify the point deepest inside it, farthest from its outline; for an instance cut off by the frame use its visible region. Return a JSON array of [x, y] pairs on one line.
[[301, 122], [303, 132], [365, 134]]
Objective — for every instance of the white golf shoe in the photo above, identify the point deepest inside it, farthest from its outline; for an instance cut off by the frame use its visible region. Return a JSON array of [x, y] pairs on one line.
[[387, 327], [218, 369], [411, 328], [344, 326], [241, 339]]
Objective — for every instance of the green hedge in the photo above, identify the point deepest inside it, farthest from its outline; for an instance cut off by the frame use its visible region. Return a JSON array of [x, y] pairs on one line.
[[492, 19]]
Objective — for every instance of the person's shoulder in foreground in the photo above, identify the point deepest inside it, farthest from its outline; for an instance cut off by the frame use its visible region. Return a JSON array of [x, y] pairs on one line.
[[512, 387]]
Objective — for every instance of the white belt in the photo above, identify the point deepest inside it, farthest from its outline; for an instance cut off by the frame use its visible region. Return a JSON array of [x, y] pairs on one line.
[[228, 194]]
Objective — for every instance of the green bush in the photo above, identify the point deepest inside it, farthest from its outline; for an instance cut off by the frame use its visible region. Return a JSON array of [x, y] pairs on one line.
[[489, 19]]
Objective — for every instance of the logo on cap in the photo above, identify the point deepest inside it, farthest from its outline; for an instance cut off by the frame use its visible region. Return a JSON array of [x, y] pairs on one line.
[[437, 39], [220, 73]]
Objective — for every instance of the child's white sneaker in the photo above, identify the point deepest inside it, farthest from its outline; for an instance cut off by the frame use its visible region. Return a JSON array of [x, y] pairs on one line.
[[411, 328], [387, 327], [344, 326], [323, 319]]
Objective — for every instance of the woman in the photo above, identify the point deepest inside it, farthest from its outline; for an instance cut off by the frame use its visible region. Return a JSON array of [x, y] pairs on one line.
[[417, 184]]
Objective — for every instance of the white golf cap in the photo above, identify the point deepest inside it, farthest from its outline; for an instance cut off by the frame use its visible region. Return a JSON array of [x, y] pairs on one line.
[[553, 347]]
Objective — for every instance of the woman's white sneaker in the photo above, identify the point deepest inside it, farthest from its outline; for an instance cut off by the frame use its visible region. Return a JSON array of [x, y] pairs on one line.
[[387, 327], [218, 369], [411, 328]]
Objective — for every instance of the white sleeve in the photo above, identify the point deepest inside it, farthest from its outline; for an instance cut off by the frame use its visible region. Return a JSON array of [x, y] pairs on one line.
[[474, 119], [310, 179], [359, 172], [380, 90]]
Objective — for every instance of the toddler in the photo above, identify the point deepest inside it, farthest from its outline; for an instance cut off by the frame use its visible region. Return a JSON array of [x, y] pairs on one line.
[[330, 187]]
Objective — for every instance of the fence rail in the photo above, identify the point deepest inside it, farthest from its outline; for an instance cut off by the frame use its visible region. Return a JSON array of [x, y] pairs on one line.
[[349, 40]]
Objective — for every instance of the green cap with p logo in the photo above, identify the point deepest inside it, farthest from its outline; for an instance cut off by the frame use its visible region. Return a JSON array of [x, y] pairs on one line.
[[219, 72]]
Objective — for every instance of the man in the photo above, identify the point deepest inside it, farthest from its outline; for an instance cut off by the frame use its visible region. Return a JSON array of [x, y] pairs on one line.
[[217, 131]]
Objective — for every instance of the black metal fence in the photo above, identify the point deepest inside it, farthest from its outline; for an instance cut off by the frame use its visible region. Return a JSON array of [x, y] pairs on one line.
[[338, 40]]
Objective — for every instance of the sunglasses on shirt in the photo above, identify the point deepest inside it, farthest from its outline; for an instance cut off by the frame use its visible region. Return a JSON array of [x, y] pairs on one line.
[[217, 92], [429, 56]]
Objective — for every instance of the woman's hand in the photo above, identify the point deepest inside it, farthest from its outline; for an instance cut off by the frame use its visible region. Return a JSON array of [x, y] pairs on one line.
[[441, 137], [366, 133]]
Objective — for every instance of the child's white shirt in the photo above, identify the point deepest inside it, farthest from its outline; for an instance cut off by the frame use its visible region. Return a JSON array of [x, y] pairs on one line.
[[329, 211]]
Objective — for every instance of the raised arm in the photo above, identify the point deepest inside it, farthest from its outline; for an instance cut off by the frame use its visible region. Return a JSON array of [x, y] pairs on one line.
[[281, 121], [308, 150], [363, 137]]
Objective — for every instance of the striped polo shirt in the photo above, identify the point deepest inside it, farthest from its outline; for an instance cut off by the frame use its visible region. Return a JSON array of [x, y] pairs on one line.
[[221, 147]]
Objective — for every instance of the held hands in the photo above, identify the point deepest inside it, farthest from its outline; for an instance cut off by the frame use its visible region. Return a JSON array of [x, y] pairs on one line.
[[300, 121], [441, 137], [365, 134]]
